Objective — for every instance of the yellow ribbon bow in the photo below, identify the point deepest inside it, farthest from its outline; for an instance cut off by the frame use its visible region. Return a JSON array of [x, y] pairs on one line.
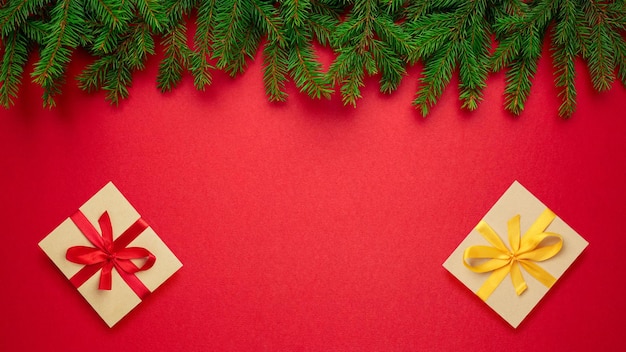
[[526, 252]]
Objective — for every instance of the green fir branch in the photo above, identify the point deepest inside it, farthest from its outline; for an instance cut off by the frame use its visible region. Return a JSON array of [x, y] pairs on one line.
[[275, 71], [348, 70], [457, 38], [113, 72], [565, 48], [203, 39], [302, 64], [600, 52], [520, 50], [265, 16], [153, 13], [110, 12], [304, 68], [205, 23], [16, 12], [436, 75], [620, 56], [390, 65], [106, 40], [35, 31], [431, 32], [177, 58], [55, 55], [140, 44], [116, 82], [474, 55], [394, 6], [506, 53], [322, 27], [13, 60], [94, 75], [369, 42], [368, 37], [231, 28], [295, 11], [327, 8], [519, 81], [173, 11]]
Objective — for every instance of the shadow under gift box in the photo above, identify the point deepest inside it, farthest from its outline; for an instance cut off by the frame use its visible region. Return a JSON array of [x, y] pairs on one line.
[[112, 305], [517, 200]]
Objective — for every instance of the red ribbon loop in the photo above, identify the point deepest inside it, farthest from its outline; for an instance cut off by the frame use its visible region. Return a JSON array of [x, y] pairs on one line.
[[108, 254]]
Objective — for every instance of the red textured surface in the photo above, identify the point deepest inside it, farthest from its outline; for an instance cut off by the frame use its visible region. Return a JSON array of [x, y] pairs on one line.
[[309, 225]]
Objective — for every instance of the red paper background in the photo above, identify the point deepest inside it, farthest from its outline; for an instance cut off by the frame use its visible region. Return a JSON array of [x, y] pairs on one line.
[[309, 225]]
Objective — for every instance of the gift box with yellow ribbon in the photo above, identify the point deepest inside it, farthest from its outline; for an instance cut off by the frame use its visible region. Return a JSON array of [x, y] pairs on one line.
[[515, 254], [110, 254]]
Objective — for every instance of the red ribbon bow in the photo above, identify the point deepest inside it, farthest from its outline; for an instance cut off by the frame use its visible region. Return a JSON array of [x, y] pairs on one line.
[[109, 254]]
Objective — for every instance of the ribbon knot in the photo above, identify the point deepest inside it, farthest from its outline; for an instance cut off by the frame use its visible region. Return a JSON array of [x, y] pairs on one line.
[[525, 251], [108, 254]]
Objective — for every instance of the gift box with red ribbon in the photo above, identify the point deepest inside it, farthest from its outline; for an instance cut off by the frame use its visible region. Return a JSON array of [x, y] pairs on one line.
[[512, 278], [110, 254]]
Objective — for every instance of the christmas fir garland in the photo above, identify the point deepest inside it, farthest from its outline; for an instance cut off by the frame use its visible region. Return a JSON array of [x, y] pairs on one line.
[[369, 37]]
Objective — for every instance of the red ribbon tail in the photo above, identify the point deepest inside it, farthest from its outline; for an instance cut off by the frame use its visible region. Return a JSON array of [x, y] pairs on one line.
[[84, 274], [133, 282], [105, 277]]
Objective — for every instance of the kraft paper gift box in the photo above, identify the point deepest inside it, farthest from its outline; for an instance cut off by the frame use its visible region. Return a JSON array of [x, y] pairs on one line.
[[113, 274], [545, 247]]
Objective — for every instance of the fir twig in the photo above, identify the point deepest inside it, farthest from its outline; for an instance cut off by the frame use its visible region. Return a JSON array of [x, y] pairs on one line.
[[600, 52], [16, 12], [55, 55], [177, 58], [112, 72], [12, 66], [456, 37], [302, 64], [369, 41], [275, 71], [200, 66], [565, 48]]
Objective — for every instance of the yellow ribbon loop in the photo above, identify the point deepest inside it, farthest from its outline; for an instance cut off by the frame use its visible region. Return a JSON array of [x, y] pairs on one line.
[[525, 251]]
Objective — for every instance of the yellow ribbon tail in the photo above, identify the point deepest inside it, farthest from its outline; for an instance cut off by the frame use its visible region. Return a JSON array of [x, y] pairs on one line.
[[538, 273], [541, 224], [493, 281], [518, 280]]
